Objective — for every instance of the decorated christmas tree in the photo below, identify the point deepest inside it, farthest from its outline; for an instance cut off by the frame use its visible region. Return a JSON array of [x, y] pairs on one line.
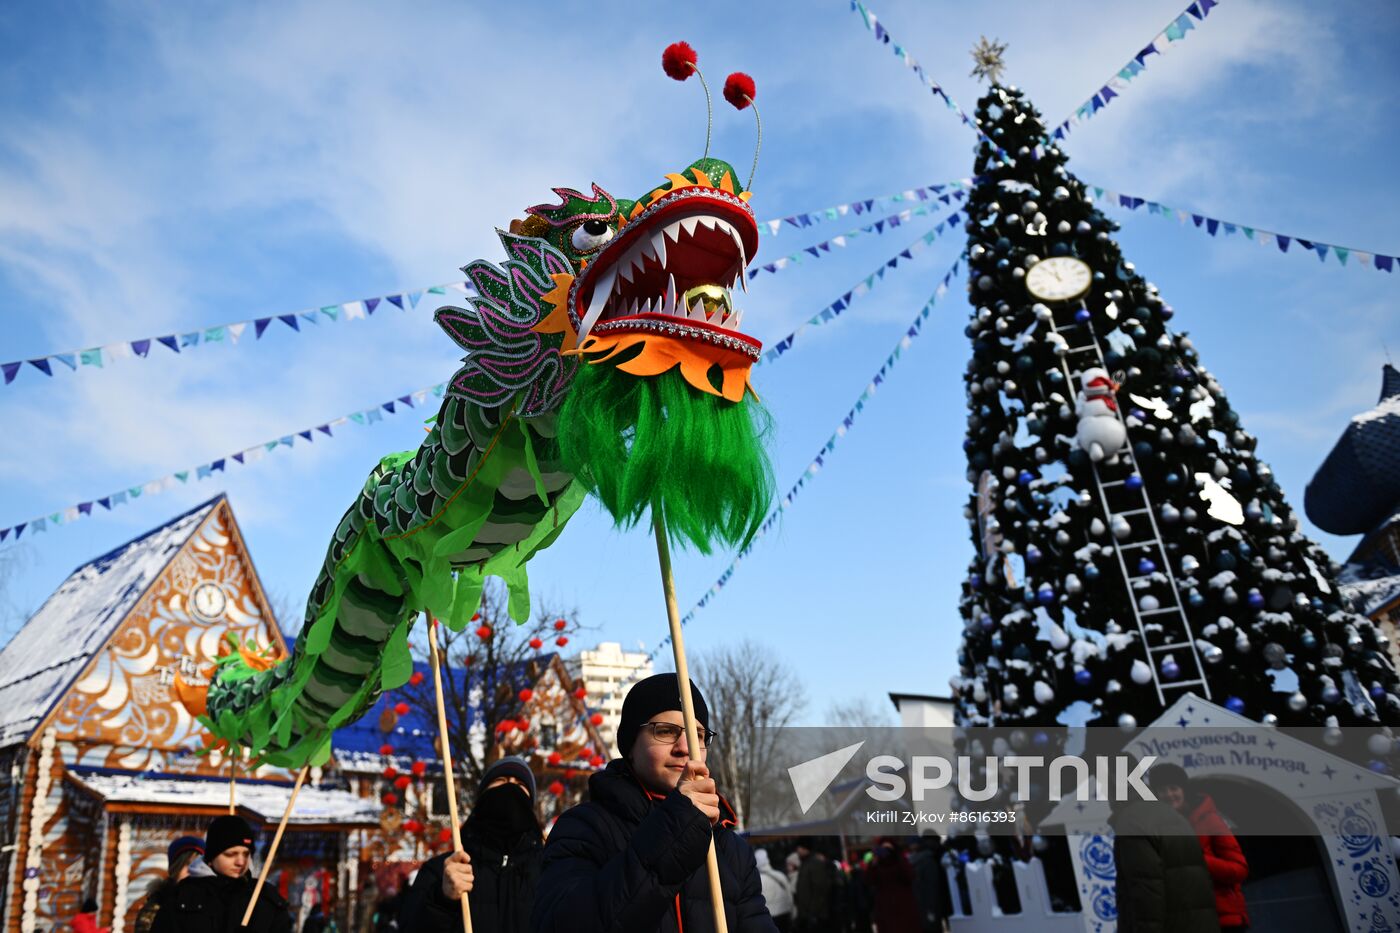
[[1130, 545]]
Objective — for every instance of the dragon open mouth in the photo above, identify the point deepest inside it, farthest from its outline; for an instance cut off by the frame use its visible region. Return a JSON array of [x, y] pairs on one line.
[[672, 270]]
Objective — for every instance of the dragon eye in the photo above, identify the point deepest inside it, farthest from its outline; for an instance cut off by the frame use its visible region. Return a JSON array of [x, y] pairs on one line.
[[591, 235]]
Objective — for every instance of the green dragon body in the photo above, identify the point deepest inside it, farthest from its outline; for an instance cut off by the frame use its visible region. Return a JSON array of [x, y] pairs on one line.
[[637, 287]]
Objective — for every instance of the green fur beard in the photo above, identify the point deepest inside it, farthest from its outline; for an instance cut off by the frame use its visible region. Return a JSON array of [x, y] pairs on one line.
[[640, 442]]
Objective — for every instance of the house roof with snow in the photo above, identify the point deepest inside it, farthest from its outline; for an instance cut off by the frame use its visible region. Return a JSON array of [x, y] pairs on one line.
[[1358, 485], [51, 650], [264, 801]]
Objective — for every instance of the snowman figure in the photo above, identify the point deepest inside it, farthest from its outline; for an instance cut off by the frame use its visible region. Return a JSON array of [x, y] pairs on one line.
[[1101, 432]]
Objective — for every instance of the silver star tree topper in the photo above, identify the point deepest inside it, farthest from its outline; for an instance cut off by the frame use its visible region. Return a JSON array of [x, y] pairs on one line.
[[988, 58]]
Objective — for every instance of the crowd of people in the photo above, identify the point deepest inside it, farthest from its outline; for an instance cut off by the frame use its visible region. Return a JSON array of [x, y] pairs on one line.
[[633, 857]]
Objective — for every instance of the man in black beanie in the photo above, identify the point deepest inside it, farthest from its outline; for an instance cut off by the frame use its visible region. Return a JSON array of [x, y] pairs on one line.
[[632, 858], [499, 868], [216, 902]]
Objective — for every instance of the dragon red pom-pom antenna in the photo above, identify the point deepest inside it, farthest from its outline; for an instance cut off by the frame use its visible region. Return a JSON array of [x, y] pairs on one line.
[[740, 91], [679, 61]]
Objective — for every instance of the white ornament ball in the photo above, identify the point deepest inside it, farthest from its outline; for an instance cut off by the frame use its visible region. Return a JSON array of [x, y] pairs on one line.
[[1141, 673]]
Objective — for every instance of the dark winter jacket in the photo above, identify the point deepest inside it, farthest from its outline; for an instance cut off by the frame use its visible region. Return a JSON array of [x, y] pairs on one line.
[[503, 890], [815, 894], [891, 880], [626, 863], [216, 905], [1224, 860], [1163, 885]]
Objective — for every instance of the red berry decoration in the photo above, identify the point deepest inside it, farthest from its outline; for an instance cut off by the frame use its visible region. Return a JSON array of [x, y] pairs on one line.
[[596, 719], [386, 749], [402, 781], [416, 679], [413, 826], [505, 725], [390, 799], [556, 788], [419, 768], [476, 617], [483, 632], [555, 758], [401, 709], [562, 640], [536, 644], [580, 692], [678, 61], [596, 761], [444, 835], [739, 90], [526, 695], [523, 723], [560, 625], [390, 773]]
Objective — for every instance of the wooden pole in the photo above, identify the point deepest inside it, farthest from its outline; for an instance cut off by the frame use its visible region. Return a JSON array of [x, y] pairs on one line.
[[272, 850], [232, 777], [692, 734], [448, 778]]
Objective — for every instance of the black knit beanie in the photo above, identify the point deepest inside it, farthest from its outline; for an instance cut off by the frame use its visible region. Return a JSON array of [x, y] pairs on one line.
[[510, 766], [227, 832], [656, 694]]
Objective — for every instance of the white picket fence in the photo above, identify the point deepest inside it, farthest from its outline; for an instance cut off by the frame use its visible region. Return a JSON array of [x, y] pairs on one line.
[[1036, 913]]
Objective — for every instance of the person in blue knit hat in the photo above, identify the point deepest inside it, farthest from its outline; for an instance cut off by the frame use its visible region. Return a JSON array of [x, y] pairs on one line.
[[182, 854]]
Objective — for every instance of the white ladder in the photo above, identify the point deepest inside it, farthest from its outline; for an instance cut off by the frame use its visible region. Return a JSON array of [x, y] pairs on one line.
[[1171, 632]]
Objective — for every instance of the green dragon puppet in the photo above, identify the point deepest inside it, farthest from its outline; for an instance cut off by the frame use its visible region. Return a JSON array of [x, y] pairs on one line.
[[603, 355]]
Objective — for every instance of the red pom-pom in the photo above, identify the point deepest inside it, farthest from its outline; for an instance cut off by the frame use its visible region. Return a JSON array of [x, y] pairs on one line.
[[596, 719], [419, 768], [581, 692], [562, 640], [416, 679], [401, 709], [556, 788], [413, 826], [390, 799], [555, 758], [526, 695], [523, 723], [386, 749], [401, 782], [739, 90], [483, 632], [597, 761], [560, 625], [505, 725], [444, 835], [678, 61], [536, 644], [476, 617], [390, 773]]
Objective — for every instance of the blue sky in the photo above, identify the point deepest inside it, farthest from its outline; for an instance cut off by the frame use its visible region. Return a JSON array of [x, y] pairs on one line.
[[169, 167]]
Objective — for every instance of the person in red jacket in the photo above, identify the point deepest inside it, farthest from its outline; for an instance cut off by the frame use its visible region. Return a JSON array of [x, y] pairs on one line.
[[85, 921], [1224, 859]]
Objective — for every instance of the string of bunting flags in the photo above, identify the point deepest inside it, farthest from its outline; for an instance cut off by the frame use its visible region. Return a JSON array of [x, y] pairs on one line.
[[1175, 31], [865, 206], [816, 250], [840, 305], [813, 468], [881, 34], [249, 455], [226, 334], [1214, 226], [376, 413]]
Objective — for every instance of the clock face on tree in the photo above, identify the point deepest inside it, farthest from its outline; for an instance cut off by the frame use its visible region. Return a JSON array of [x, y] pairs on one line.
[[208, 601], [1059, 278]]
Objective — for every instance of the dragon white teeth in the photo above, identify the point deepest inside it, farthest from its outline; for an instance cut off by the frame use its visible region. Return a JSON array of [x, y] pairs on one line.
[[734, 317], [688, 225], [658, 247], [669, 302], [602, 292], [697, 310]]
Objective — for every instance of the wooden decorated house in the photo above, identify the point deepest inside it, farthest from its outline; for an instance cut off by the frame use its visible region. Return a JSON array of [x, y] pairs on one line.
[[99, 761]]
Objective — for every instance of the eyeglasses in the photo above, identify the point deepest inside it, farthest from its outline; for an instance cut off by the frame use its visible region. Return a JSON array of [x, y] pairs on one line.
[[668, 733]]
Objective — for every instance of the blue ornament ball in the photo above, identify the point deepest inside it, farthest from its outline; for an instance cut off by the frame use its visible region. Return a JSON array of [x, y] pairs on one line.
[[1082, 315], [1377, 692], [1146, 566], [1045, 594], [1170, 670], [1377, 766], [975, 581], [1091, 572], [1083, 677], [1040, 739], [1235, 705], [1172, 479], [1195, 600], [1255, 599], [1033, 554], [1025, 477], [988, 622], [1133, 482]]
